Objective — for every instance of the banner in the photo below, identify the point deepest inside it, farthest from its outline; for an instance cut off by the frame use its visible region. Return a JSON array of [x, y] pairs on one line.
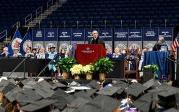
[[168, 35], [38, 34], [78, 35], [107, 35], [150, 37], [64, 34], [51, 34], [120, 38], [88, 34], [135, 38]]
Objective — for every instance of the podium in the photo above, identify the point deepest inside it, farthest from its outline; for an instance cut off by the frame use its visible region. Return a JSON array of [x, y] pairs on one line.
[[89, 53]]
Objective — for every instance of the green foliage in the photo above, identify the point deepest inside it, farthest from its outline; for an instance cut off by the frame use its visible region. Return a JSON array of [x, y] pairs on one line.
[[153, 67], [65, 64], [103, 65]]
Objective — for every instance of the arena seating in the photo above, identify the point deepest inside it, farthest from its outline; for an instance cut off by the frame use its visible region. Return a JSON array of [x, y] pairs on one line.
[[12, 11], [113, 11]]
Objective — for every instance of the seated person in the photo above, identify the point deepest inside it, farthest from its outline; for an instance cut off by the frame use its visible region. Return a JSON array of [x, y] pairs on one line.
[[117, 53], [41, 54], [5, 52], [34, 52], [28, 52], [16, 53], [161, 45], [63, 53], [109, 53]]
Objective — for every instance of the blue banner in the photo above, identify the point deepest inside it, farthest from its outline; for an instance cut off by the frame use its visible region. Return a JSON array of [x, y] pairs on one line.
[[64, 34], [51, 34], [150, 34], [38, 34], [106, 34], [167, 33], [78, 34], [88, 34], [135, 35], [120, 34]]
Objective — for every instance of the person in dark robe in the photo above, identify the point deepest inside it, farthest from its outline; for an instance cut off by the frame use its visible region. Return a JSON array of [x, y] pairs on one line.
[[95, 39]]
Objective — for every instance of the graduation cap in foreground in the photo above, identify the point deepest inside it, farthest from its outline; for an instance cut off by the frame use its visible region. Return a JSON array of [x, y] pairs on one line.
[[26, 96], [93, 84], [166, 96], [11, 95], [37, 105], [135, 89], [106, 103], [145, 103], [44, 91], [75, 104], [108, 91], [171, 110], [6, 86]]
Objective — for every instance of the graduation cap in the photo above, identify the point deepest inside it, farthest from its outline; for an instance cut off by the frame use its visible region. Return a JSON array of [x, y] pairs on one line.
[[89, 107], [106, 103], [83, 94], [11, 95], [93, 84], [58, 85], [37, 105], [6, 86], [120, 84], [166, 95], [108, 91], [171, 110], [75, 104], [26, 96], [43, 90], [142, 105], [135, 89], [62, 98]]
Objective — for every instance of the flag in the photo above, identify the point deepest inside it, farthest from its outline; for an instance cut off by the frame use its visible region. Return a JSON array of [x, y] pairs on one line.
[[15, 43], [26, 42], [175, 44]]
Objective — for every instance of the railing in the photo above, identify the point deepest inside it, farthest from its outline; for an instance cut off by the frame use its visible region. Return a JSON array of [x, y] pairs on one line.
[[38, 11], [3, 34], [28, 19]]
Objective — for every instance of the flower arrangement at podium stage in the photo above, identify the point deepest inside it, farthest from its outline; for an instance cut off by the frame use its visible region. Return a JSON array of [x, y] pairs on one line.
[[65, 64], [103, 66], [77, 70], [88, 70], [69, 66]]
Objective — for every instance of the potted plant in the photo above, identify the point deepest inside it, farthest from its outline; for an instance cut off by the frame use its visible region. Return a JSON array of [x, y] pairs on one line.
[[150, 71], [88, 70], [65, 64], [103, 66], [76, 70]]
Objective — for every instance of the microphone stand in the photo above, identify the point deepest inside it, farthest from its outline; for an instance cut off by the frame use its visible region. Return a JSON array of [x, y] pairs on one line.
[[23, 61]]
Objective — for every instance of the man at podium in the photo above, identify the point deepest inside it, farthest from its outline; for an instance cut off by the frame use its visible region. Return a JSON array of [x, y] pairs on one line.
[[95, 39]]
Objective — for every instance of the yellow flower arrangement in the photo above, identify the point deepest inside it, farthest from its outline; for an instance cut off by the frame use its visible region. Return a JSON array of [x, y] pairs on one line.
[[88, 68], [76, 69]]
